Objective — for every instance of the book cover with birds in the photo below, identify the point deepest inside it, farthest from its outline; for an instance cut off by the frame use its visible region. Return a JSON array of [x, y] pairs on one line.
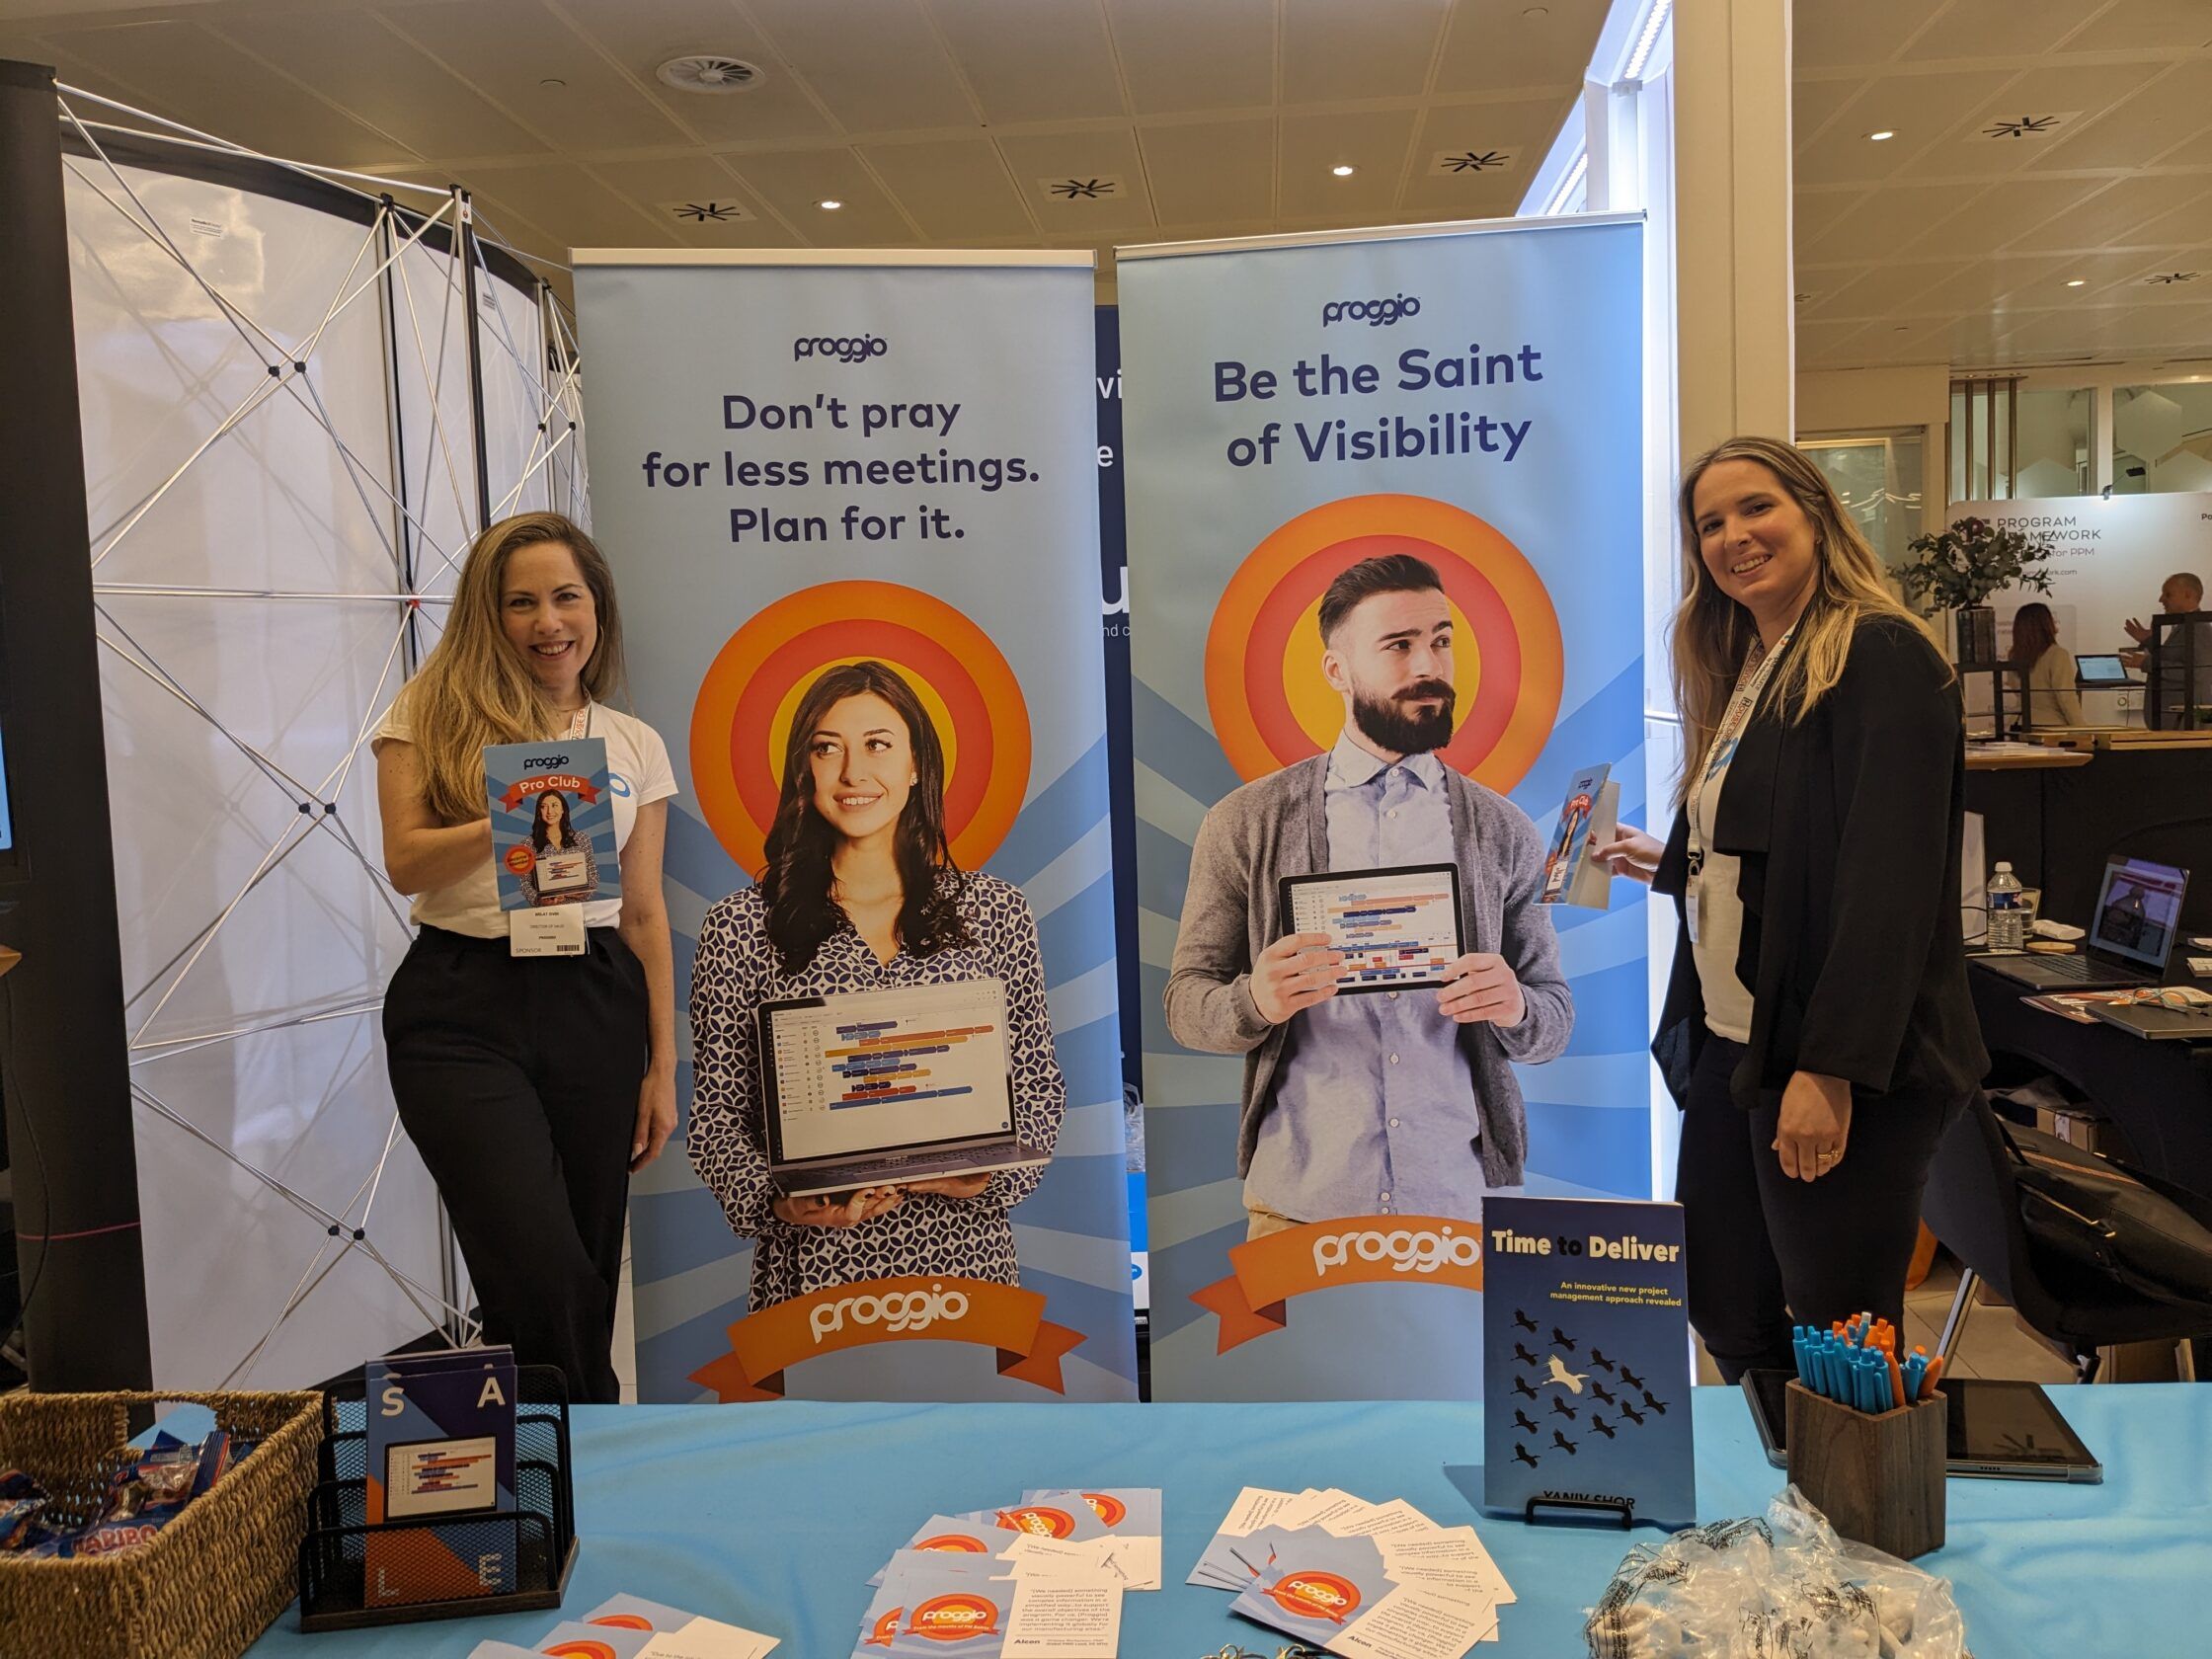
[[1586, 1358]]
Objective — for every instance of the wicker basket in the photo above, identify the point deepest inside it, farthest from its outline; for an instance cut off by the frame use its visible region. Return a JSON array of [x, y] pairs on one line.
[[214, 1577]]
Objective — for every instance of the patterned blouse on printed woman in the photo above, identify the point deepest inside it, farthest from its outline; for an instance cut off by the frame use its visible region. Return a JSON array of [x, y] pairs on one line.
[[738, 969]]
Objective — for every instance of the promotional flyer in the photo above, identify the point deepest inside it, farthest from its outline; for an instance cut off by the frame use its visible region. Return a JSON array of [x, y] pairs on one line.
[[857, 543], [1432, 438]]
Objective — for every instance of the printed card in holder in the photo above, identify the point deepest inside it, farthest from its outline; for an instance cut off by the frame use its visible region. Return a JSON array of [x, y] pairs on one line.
[[553, 849], [1588, 816], [1399, 929], [440, 1445]]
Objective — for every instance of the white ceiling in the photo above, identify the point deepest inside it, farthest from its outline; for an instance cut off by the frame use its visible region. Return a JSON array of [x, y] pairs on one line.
[[946, 123], [1942, 245]]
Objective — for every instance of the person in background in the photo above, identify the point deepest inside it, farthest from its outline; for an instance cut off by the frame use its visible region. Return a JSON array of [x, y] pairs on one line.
[[860, 892], [1817, 1030], [532, 1086], [2048, 667], [2180, 595]]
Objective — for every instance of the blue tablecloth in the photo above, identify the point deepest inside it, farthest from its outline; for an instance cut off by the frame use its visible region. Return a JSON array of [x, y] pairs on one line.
[[772, 1516]]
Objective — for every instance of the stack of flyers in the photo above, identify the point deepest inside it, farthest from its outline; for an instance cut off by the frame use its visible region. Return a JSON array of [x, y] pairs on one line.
[[1042, 1578], [632, 1628], [1354, 1577]]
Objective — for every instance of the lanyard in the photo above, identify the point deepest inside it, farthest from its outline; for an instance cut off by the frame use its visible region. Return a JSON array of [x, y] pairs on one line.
[[1758, 668], [580, 723]]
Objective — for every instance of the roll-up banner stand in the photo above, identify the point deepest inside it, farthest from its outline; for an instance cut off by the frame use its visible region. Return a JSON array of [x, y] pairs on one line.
[[809, 460], [1470, 395]]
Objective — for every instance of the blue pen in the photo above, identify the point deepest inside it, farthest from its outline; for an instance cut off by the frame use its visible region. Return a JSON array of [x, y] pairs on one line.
[[1864, 1377]]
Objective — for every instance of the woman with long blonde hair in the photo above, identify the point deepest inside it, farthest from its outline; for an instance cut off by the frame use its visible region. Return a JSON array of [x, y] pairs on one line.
[[531, 1085], [1818, 1031]]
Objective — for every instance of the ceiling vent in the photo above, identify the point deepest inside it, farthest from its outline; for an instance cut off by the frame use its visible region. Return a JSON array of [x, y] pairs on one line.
[[709, 72], [2168, 278], [1456, 164], [706, 209], [1084, 186], [2024, 129]]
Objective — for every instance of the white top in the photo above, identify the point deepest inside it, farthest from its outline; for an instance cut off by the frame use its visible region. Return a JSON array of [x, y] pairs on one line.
[[638, 772], [1721, 918], [1718, 927]]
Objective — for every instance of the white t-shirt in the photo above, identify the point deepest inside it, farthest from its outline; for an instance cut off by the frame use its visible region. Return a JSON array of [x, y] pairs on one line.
[[638, 773]]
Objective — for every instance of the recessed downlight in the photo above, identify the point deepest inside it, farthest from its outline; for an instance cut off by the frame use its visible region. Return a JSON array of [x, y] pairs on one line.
[[2077, 281], [1343, 170], [829, 204], [1881, 137]]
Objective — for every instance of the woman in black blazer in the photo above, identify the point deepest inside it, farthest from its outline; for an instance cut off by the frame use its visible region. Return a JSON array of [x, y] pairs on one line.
[[1817, 1033]]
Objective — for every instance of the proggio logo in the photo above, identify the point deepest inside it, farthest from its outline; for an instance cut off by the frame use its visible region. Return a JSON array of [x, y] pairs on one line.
[[1376, 313], [1406, 1250], [896, 1310], [851, 348]]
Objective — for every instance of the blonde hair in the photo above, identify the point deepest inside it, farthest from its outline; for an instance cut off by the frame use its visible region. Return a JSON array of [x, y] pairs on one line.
[[474, 688], [1712, 632]]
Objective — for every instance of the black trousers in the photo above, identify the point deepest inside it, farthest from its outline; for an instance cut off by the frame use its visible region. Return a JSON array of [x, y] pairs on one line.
[[516, 1078], [1766, 1251]]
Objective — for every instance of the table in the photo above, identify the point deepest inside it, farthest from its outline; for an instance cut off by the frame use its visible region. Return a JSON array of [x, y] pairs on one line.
[[772, 1516], [2160, 1094]]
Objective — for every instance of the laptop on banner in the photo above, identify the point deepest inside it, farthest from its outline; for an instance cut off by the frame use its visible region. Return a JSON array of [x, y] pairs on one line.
[[871, 1087], [2131, 933]]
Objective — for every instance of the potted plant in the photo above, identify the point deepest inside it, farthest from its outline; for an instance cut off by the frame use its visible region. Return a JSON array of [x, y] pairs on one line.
[[1962, 565]]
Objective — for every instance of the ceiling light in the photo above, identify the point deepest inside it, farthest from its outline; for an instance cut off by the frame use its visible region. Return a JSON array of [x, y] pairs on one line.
[[829, 204], [1881, 137], [1648, 39], [552, 83], [1343, 170], [2077, 281]]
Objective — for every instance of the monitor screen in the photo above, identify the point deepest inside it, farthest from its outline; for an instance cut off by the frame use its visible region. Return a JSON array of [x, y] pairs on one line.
[[2100, 671], [2138, 910], [875, 1071]]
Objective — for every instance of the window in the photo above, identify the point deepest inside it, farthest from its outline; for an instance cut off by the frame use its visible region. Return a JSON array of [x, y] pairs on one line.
[[1879, 476], [2161, 438], [2051, 443]]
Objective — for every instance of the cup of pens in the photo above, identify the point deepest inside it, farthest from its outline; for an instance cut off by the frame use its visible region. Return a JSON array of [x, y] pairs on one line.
[[1866, 1435]]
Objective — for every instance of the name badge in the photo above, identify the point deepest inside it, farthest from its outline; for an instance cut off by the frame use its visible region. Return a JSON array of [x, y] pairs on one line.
[[548, 931], [1689, 905]]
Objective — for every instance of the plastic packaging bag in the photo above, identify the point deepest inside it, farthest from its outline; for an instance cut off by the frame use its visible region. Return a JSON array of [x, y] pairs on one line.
[[1782, 1586]]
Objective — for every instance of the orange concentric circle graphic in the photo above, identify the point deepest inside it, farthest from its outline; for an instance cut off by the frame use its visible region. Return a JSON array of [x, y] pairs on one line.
[[742, 717], [1264, 689]]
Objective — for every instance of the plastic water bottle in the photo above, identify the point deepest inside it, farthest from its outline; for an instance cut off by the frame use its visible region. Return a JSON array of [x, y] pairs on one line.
[[2007, 921]]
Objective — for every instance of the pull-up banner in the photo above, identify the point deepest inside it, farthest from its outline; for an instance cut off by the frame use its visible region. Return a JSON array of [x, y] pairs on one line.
[[808, 463], [1468, 398]]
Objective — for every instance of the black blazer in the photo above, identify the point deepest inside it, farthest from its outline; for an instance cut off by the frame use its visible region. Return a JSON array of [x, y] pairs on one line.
[[1848, 825]]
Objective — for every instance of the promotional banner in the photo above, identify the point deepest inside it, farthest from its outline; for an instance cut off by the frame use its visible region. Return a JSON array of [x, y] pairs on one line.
[[850, 502], [2113, 556], [1435, 437]]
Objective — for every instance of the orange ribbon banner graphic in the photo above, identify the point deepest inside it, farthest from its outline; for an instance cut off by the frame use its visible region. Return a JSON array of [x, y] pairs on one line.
[[582, 788], [763, 1345], [1322, 1255]]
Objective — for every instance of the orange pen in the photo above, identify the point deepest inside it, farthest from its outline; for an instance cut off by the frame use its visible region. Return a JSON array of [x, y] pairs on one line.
[[1927, 1377], [1896, 1378]]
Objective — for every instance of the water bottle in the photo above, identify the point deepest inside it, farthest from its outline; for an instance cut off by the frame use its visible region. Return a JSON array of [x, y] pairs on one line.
[[2007, 921]]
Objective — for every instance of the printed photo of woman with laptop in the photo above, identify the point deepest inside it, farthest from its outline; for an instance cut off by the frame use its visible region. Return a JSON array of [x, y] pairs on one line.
[[859, 894]]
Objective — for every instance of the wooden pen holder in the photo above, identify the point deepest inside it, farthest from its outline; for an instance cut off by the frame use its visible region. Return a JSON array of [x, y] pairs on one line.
[[1877, 1477]]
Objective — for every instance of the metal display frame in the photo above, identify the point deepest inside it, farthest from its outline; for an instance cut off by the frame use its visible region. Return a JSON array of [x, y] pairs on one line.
[[99, 152]]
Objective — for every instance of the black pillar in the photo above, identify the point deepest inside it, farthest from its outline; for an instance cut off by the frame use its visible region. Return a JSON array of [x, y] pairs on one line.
[[65, 1066]]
